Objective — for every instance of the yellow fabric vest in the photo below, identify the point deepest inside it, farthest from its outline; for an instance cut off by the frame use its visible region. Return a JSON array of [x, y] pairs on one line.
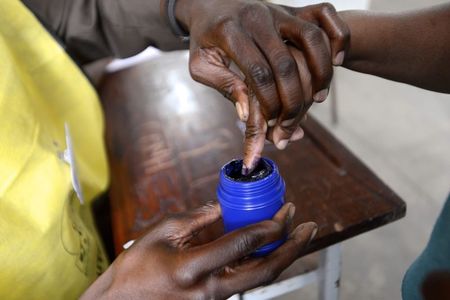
[[48, 245]]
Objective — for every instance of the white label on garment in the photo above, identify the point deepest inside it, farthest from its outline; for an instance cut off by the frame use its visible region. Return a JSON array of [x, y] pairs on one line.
[[69, 157]]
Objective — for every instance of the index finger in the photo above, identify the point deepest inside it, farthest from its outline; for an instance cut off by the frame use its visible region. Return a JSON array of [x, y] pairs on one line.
[[255, 135], [178, 229], [258, 73]]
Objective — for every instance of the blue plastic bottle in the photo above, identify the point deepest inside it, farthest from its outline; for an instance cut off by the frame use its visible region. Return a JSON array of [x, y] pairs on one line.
[[250, 199]]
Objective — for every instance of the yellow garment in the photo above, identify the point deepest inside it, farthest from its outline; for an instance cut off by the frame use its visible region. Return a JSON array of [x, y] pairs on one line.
[[48, 245]]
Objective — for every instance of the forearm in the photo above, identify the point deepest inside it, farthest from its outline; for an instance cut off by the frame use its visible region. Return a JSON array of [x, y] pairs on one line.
[[92, 29], [412, 47]]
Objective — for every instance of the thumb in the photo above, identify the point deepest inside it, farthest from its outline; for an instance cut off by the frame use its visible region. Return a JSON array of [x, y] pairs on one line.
[[210, 66]]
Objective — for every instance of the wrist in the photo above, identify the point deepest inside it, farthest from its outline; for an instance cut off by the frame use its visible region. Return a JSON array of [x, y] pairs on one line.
[[365, 40], [347, 17], [176, 13]]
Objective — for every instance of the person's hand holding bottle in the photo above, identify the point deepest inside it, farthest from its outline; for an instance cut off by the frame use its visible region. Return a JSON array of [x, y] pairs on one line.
[[164, 264]]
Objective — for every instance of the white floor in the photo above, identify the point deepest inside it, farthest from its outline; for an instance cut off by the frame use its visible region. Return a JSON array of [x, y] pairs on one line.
[[403, 134]]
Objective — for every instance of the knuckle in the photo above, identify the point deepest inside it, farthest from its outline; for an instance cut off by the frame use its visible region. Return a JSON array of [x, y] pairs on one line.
[[252, 11], [252, 132], [273, 227], [327, 7], [228, 87], [341, 35], [226, 93], [268, 275], [248, 243], [292, 10], [184, 278], [224, 24], [173, 225], [261, 75], [239, 87], [325, 74], [344, 34], [286, 66], [293, 108], [312, 34]]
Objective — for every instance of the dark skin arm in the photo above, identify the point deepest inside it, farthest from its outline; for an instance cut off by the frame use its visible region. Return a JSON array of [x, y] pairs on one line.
[[411, 47], [95, 29]]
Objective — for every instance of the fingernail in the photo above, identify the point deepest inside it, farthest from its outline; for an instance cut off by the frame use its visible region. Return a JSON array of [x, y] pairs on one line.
[[292, 211], [239, 111], [339, 58], [245, 171], [313, 234], [245, 111], [288, 123], [272, 122], [277, 135], [297, 234], [297, 135], [311, 226], [321, 96], [281, 145]]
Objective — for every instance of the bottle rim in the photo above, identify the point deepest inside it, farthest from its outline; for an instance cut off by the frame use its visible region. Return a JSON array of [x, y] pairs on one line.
[[273, 172], [250, 194]]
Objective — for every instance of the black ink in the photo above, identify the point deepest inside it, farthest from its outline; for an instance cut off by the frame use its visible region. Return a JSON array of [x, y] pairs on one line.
[[233, 171]]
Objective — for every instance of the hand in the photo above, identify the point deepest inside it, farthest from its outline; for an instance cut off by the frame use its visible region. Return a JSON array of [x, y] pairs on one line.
[[164, 265], [254, 35], [256, 130]]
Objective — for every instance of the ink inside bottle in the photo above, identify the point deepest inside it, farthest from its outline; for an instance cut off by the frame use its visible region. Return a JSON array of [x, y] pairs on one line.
[[233, 171]]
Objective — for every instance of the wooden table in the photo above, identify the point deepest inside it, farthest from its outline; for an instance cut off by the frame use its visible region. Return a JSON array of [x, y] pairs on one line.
[[168, 136]]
